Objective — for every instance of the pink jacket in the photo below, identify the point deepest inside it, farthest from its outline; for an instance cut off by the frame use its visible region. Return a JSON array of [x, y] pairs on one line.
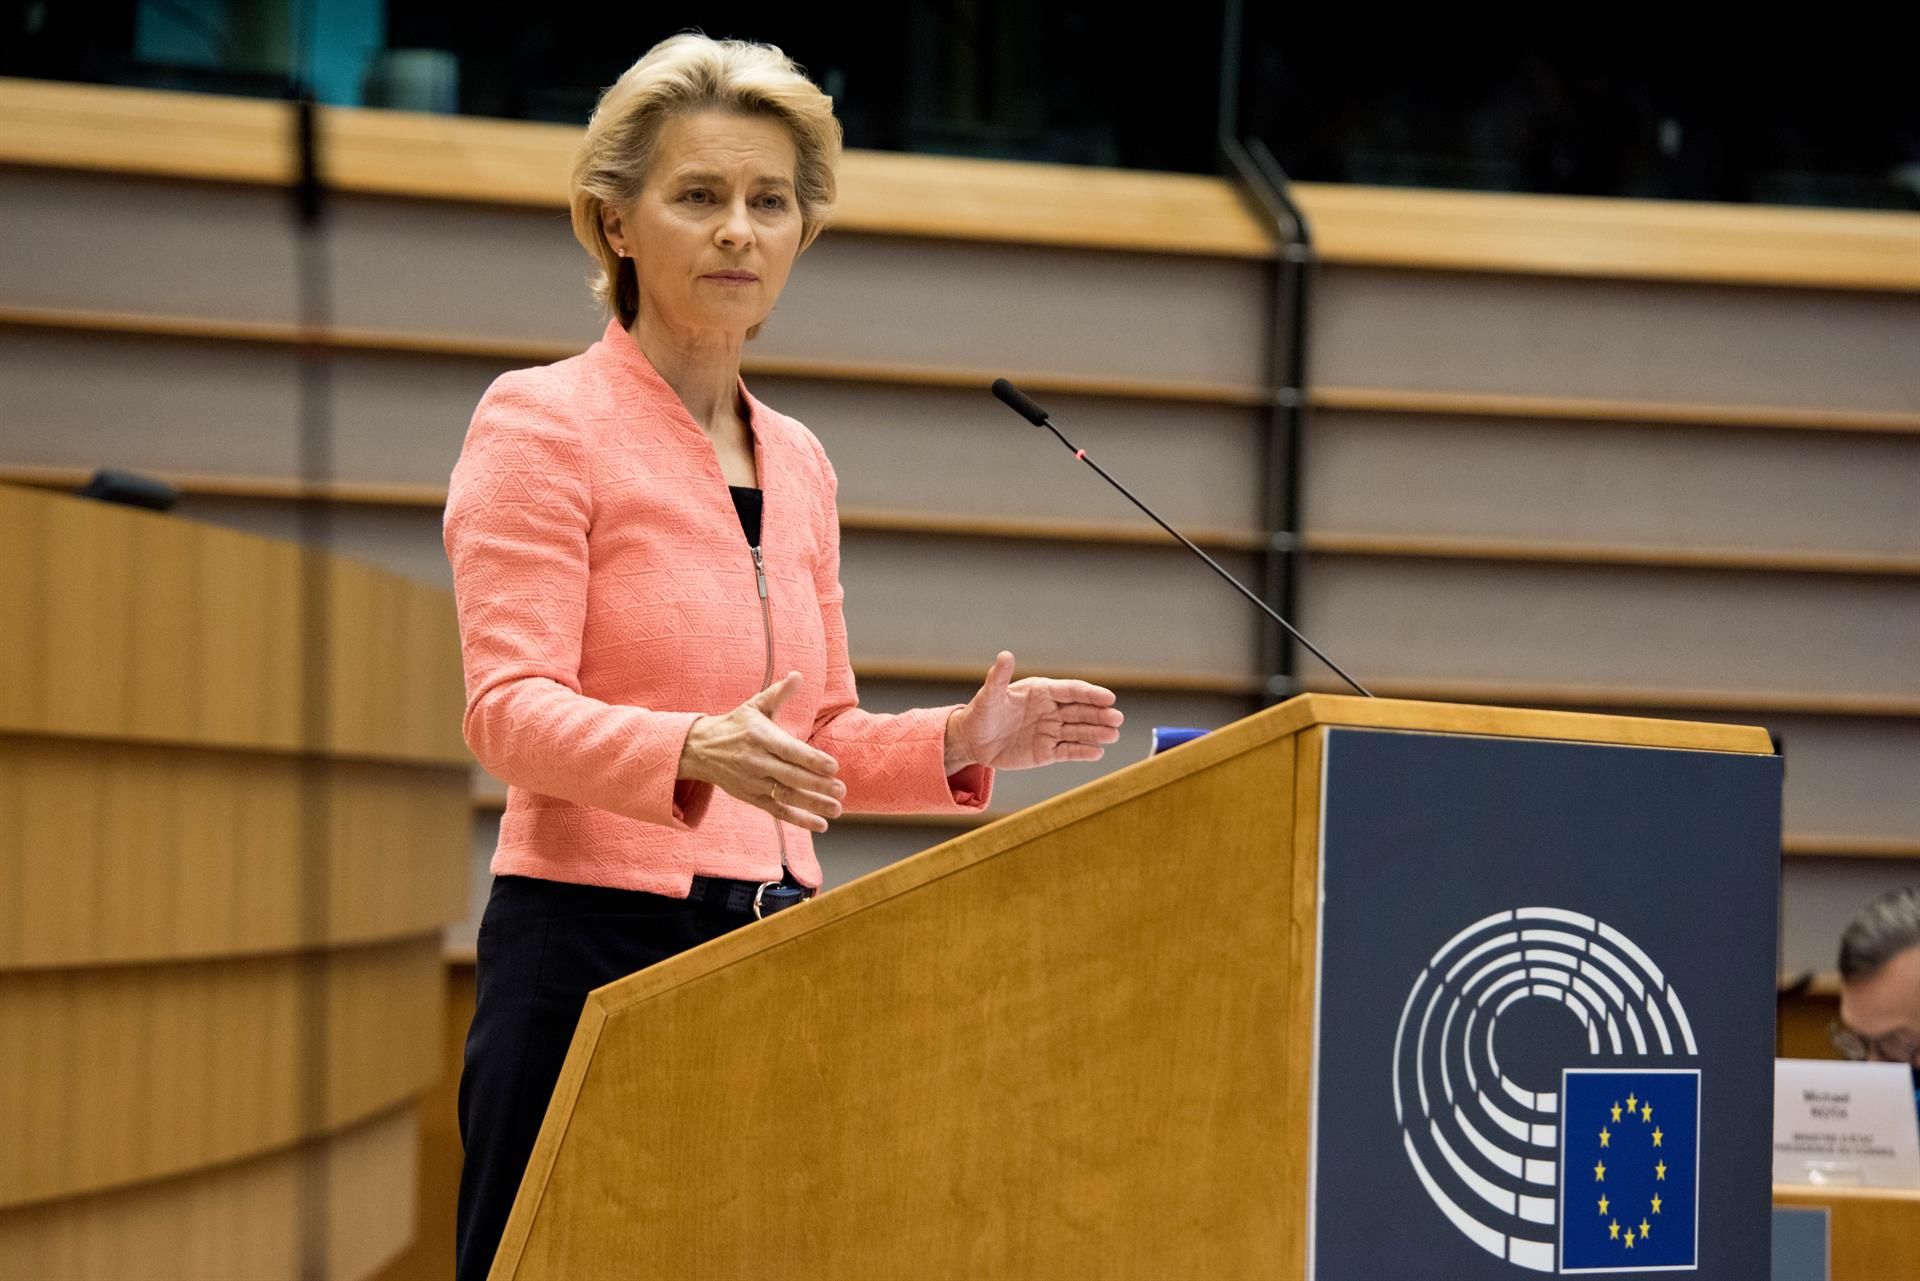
[[607, 600]]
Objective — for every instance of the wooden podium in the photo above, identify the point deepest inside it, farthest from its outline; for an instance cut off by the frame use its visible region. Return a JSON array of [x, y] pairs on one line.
[[1083, 1041]]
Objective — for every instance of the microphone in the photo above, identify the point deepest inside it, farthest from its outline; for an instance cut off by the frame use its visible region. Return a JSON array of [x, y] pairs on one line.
[[1021, 403]]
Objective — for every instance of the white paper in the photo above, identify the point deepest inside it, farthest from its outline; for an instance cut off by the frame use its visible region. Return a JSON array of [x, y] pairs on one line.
[[1845, 1124]]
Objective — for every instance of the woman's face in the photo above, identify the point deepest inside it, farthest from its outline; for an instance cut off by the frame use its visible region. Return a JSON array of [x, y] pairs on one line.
[[716, 228]]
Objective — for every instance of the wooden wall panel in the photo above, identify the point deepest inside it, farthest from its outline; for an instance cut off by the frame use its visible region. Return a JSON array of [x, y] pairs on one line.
[[202, 250], [1439, 331], [239, 1222], [128, 852], [1654, 628], [1021, 309], [1609, 483], [430, 1255], [1063, 608], [962, 451], [89, 398], [1850, 776], [124, 1074], [1820, 896], [407, 265], [84, 399], [524, 164], [133, 624]]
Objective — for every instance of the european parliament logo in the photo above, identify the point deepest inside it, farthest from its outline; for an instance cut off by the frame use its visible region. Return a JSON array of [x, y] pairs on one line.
[[1599, 1172]]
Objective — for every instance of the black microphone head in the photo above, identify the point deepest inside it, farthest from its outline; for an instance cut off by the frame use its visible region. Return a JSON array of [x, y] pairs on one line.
[[1019, 402]]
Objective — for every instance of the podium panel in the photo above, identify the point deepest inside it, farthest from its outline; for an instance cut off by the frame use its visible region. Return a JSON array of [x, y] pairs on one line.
[[1546, 1007]]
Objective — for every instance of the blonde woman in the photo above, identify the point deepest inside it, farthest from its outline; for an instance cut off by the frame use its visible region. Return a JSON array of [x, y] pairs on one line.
[[646, 565]]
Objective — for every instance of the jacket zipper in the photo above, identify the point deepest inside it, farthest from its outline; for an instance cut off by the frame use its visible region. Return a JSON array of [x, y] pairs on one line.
[[766, 620]]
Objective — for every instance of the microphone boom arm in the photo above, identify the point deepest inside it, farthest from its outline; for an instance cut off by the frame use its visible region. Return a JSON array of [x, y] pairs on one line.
[[1021, 404]]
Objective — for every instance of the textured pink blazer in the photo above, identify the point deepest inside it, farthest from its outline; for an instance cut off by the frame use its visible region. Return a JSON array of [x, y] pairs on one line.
[[608, 599]]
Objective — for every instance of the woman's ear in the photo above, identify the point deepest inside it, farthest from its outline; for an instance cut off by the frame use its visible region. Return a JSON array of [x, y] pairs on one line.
[[610, 227]]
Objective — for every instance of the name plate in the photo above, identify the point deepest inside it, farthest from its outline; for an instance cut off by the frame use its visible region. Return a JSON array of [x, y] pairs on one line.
[[1845, 1124]]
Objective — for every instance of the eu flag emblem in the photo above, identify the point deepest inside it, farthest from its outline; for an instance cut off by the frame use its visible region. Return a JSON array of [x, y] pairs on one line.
[[1629, 1169]]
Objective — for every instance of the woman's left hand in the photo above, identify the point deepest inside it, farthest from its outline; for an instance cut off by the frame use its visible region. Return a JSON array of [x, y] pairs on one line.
[[1021, 724]]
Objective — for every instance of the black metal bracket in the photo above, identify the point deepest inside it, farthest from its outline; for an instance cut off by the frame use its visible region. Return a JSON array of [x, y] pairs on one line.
[[1265, 184]]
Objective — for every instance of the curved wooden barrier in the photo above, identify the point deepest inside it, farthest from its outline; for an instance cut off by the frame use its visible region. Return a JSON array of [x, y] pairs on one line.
[[234, 822], [352, 1192]]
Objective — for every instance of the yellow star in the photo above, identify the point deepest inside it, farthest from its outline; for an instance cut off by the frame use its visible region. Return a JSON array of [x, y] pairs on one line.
[[1600, 1172], [1646, 1112], [1616, 1114], [1604, 1136], [1603, 1203], [1632, 1103], [1656, 1137], [1656, 1203], [1660, 1171], [1644, 1229], [1629, 1238], [1613, 1230]]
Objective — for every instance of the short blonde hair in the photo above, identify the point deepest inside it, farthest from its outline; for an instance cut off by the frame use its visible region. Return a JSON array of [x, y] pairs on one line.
[[678, 76]]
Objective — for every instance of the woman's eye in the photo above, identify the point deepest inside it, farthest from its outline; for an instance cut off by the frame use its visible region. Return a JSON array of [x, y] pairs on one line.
[[698, 196], [773, 202]]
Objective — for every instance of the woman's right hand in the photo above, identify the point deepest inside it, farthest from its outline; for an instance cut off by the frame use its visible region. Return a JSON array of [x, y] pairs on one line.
[[746, 755]]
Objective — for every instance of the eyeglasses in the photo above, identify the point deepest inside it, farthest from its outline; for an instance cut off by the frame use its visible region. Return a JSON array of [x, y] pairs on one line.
[[1898, 1046]]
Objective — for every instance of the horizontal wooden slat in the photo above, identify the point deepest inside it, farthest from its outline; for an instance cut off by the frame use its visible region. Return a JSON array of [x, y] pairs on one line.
[[1613, 238], [1846, 845], [1338, 543], [522, 163], [1593, 409], [1025, 529]]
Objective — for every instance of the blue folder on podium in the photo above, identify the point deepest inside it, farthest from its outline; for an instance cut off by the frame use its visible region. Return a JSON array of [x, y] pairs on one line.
[[1165, 736]]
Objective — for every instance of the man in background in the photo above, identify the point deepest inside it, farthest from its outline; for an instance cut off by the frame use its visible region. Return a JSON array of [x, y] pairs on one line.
[[1880, 982]]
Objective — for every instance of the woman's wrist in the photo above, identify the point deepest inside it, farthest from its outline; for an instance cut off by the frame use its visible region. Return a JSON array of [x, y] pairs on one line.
[[958, 754], [691, 754]]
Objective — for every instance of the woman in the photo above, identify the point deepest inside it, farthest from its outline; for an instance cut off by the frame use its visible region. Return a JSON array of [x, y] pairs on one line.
[[639, 547]]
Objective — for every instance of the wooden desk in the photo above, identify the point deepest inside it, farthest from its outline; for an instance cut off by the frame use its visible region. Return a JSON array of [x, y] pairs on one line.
[[1873, 1233]]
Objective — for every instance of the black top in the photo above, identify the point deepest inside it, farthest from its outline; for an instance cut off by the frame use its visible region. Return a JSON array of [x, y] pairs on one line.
[[746, 501]]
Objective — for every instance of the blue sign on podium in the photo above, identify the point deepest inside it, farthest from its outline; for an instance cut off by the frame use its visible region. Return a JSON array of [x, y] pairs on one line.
[[1546, 1009]]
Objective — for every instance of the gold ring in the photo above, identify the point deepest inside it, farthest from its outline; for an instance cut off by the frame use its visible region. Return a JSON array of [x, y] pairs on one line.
[[773, 793]]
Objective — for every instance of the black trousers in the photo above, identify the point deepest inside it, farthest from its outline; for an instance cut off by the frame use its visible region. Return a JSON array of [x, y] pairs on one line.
[[543, 946]]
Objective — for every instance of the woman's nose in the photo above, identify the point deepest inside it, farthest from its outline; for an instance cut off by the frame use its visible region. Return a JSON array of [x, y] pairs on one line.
[[736, 230]]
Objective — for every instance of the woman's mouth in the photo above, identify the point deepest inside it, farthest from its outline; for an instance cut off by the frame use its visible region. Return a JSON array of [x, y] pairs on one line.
[[732, 277]]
